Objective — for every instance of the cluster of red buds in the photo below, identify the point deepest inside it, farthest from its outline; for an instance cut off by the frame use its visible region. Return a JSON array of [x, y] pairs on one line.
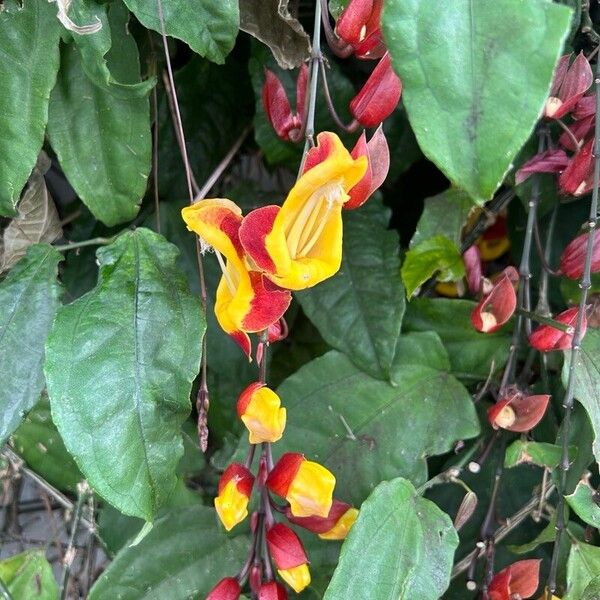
[[306, 489], [357, 32], [573, 157]]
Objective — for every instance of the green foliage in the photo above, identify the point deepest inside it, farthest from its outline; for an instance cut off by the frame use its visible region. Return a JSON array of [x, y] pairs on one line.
[[434, 256], [402, 546], [537, 453], [359, 310], [106, 162], [453, 59], [183, 556], [587, 381], [583, 567], [472, 354], [28, 71], [38, 442], [120, 389], [209, 28], [29, 298], [585, 504], [29, 576]]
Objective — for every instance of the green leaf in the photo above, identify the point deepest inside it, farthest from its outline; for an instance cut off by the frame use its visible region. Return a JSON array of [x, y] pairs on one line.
[[583, 567], [421, 348], [592, 590], [444, 214], [30, 36], [184, 556], [216, 106], [94, 48], [29, 298], [537, 453], [587, 380], [433, 255], [356, 425], [38, 442], [28, 576], [37, 221], [585, 503], [120, 363], [271, 23], [209, 28], [359, 310], [102, 140], [401, 546], [548, 534], [471, 353], [453, 58]]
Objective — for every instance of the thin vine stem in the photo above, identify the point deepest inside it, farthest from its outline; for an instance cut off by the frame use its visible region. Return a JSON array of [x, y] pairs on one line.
[[585, 285], [97, 241], [350, 127]]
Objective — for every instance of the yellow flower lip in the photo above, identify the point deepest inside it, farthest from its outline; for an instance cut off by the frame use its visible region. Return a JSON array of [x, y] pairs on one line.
[[300, 244], [260, 410], [231, 506]]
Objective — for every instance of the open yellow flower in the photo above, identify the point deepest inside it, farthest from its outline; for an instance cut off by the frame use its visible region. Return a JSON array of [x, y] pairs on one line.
[[300, 244], [246, 300]]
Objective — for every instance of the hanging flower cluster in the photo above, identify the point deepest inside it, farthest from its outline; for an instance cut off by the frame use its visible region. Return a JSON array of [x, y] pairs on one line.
[[306, 487], [263, 256], [571, 82]]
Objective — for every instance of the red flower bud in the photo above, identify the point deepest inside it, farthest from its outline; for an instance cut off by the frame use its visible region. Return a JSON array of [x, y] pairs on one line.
[[359, 26], [517, 412], [497, 307], [289, 556], [255, 578], [278, 331], [573, 257], [472, 260], [379, 96], [570, 83], [277, 106], [272, 591], [519, 580], [578, 178], [550, 161], [378, 154], [227, 589], [546, 338]]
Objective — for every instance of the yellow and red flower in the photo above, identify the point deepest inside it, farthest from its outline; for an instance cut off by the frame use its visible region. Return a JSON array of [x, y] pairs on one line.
[[235, 488], [497, 307], [515, 411], [299, 244], [246, 301], [306, 485], [289, 556], [260, 410], [335, 526]]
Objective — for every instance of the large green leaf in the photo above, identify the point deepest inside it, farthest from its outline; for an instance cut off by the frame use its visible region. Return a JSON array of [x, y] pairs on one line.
[[183, 557], [587, 381], [536, 453], [401, 547], [474, 80], [209, 28], [38, 442], [471, 353], [119, 367], [29, 298], [28, 576], [582, 568], [359, 310], [103, 140], [434, 256], [366, 430], [444, 214], [28, 67]]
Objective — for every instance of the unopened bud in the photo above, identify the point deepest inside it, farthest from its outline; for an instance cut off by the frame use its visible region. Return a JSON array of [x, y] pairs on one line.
[[465, 510]]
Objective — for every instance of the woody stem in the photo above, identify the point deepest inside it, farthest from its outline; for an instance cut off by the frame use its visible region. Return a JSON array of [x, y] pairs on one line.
[[585, 285]]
